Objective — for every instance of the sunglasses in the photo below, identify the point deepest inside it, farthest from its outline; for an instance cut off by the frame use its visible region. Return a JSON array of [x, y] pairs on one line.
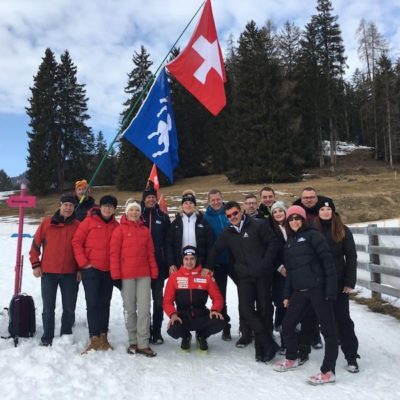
[[295, 218], [234, 214]]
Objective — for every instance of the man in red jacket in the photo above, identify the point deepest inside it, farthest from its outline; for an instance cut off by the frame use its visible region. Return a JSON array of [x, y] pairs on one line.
[[53, 261], [189, 291]]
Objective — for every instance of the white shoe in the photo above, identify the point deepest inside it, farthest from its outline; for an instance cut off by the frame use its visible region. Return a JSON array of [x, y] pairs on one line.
[[321, 378], [285, 365]]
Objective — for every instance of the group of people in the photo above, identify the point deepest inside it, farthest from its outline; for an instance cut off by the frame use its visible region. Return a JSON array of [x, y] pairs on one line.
[[293, 266]]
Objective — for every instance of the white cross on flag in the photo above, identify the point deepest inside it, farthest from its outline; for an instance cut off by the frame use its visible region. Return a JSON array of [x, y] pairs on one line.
[[200, 66]]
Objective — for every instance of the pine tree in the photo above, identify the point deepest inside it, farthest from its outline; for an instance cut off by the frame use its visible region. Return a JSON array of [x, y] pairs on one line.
[[5, 181], [133, 165], [43, 112], [75, 140], [107, 172]]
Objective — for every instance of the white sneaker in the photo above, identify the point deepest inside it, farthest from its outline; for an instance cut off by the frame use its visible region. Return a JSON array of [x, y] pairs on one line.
[[320, 378], [285, 365]]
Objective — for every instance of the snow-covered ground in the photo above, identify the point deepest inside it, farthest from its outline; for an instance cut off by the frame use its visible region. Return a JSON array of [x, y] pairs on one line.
[[342, 148], [60, 372]]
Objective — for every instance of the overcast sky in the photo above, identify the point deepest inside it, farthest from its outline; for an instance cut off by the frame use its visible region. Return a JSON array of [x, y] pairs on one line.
[[102, 35]]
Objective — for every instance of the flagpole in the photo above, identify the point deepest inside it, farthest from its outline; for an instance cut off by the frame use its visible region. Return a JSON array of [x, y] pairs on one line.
[[124, 122]]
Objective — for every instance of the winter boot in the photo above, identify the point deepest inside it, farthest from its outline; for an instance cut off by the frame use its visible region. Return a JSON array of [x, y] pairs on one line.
[[270, 351], [104, 344], [148, 352], [226, 333], [317, 341], [94, 344], [156, 337], [352, 366], [202, 344], [185, 344]]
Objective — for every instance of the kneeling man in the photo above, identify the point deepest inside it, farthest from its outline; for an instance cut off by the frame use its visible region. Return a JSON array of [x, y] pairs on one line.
[[189, 291]]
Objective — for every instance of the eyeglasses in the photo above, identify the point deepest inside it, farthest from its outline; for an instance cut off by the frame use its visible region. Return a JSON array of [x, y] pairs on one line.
[[294, 218], [233, 214]]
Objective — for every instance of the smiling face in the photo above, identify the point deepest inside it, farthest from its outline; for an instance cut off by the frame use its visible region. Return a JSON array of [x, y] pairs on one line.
[[215, 201], [67, 209], [188, 207], [325, 213], [234, 215], [279, 215], [189, 261], [150, 201], [267, 198], [133, 214], [295, 222], [107, 211]]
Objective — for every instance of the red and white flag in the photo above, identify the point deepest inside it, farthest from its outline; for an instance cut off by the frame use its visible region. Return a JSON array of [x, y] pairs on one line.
[[153, 178], [200, 66]]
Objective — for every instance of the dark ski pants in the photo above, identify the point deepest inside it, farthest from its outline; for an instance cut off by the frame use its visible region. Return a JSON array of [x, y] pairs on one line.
[[203, 325], [49, 286], [278, 286], [345, 327], [298, 302], [256, 291], [157, 287], [98, 287]]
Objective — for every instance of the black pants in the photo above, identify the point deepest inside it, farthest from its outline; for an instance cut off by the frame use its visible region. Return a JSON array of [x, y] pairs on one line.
[[98, 292], [298, 302], [204, 327], [345, 327], [256, 291], [278, 286], [157, 287]]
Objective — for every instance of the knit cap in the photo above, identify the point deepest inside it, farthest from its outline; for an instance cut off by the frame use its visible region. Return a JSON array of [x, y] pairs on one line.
[[326, 202], [278, 204], [108, 200], [292, 210], [132, 203]]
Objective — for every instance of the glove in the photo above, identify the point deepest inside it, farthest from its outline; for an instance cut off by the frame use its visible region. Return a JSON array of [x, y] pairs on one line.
[[117, 283]]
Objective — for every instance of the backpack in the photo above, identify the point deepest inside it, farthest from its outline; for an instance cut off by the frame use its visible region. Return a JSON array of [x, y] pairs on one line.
[[22, 317]]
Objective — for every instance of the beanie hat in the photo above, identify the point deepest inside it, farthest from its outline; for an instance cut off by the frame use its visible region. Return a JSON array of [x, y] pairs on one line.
[[82, 183], [292, 210], [68, 198], [108, 199], [189, 250], [188, 197], [278, 204], [149, 191], [326, 202], [131, 203]]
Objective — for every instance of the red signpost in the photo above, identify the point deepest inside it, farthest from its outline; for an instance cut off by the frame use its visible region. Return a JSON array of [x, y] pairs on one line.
[[22, 201]]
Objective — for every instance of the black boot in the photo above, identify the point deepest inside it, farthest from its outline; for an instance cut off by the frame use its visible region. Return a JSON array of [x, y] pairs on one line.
[[226, 333], [185, 344]]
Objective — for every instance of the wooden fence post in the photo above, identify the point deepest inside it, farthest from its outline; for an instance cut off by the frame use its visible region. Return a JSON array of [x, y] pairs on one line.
[[373, 240]]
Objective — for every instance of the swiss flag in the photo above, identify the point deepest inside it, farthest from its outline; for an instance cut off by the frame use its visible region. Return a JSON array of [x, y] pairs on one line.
[[153, 177], [200, 66]]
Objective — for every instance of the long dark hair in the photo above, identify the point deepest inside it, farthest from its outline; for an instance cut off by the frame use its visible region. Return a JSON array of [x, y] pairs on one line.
[[337, 227]]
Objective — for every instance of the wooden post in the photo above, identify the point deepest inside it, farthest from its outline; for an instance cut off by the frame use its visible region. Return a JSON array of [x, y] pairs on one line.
[[373, 240]]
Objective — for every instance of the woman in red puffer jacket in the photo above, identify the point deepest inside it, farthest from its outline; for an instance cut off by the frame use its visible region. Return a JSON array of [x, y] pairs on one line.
[[133, 261]]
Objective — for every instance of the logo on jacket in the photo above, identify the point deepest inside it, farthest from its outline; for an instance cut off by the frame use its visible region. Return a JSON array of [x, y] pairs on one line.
[[245, 235], [200, 280], [158, 222], [182, 282], [301, 239]]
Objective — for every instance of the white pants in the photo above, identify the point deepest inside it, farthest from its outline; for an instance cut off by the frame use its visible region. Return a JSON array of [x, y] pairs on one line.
[[136, 295]]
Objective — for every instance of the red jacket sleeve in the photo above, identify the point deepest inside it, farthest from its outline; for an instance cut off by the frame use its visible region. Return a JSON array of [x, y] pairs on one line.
[[115, 253], [169, 296], [215, 294], [151, 257], [78, 241], [35, 251]]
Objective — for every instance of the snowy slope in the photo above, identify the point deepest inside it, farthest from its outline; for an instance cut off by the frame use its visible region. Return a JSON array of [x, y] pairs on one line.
[[61, 373]]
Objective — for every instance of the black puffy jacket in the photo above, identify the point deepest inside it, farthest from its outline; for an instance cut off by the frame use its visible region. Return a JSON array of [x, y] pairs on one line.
[[344, 254], [253, 249], [309, 263]]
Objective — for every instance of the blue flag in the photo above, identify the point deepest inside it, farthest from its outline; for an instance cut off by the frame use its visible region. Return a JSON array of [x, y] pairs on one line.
[[153, 129]]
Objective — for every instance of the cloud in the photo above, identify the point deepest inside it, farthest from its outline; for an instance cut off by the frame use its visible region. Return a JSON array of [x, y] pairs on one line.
[[102, 36]]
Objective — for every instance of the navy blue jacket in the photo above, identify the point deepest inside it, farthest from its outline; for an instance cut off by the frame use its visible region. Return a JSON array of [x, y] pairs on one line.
[[158, 222]]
